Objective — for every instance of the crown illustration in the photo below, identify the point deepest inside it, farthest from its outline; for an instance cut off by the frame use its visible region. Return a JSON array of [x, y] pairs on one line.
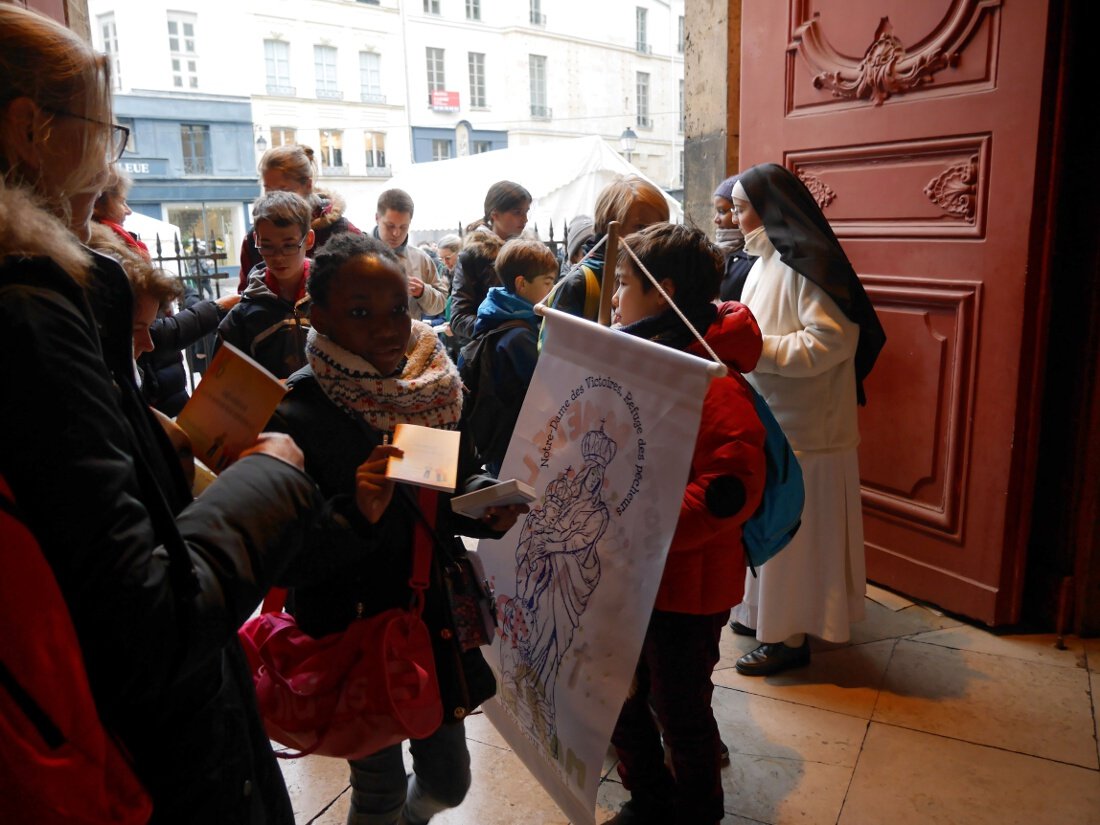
[[597, 447]]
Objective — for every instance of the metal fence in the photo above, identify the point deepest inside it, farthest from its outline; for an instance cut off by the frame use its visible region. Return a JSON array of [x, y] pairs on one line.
[[198, 272]]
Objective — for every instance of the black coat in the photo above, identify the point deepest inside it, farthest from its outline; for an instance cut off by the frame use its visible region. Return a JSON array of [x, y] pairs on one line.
[[164, 377], [474, 275], [738, 265], [267, 328], [353, 562], [156, 586]]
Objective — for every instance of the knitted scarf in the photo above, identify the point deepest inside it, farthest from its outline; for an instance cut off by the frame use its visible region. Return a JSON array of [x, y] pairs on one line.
[[425, 390]]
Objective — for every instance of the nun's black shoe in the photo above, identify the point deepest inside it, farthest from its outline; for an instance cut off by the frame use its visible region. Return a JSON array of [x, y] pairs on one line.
[[773, 658], [741, 629]]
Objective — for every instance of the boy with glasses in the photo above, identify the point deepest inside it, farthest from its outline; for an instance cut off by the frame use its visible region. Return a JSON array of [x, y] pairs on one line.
[[272, 320]]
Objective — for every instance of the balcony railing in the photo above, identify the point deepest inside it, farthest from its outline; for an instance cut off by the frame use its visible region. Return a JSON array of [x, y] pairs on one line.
[[645, 122], [330, 94], [643, 48], [541, 112], [335, 171], [372, 97], [281, 91], [538, 19], [379, 172]]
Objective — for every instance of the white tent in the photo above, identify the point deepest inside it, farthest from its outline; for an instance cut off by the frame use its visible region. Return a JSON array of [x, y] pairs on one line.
[[563, 177], [148, 230]]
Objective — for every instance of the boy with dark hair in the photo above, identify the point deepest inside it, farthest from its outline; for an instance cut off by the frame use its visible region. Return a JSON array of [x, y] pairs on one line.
[[498, 364], [427, 294], [272, 320], [704, 571]]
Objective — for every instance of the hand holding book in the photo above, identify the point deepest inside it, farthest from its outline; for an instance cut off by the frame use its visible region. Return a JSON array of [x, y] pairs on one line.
[[373, 490]]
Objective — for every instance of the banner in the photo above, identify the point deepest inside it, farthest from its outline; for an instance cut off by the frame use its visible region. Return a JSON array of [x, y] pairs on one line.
[[605, 437]]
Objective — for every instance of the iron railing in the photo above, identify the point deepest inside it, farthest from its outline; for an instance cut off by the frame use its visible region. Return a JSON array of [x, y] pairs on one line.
[[198, 273]]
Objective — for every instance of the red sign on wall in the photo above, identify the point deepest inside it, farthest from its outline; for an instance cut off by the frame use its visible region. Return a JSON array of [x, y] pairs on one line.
[[442, 101]]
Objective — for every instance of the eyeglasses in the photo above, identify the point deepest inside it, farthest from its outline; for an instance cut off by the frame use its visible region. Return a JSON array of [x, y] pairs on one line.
[[120, 135], [284, 251]]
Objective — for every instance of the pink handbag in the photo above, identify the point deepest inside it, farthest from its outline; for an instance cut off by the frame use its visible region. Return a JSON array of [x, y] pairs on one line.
[[353, 693]]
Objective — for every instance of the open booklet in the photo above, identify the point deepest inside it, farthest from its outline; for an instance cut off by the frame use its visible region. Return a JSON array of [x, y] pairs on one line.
[[430, 460], [501, 494], [230, 407]]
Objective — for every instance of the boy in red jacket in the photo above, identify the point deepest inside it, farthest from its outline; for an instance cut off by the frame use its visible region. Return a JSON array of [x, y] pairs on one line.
[[704, 573]]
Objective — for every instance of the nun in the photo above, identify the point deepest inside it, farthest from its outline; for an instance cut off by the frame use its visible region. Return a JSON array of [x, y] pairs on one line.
[[821, 338]]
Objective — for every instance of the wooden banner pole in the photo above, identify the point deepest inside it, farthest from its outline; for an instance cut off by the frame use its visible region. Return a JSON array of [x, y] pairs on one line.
[[611, 258]]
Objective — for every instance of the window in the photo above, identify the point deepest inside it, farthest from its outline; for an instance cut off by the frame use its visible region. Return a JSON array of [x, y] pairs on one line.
[[332, 151], [370, 77], [642, 87], [473, 9], [642, 44], [181, 47], [682, 113], [481, 146], [431, 6], [681, 168], [277, 61], [441, 149], [539, 108], [131, 140], [680, 36], [110, 47], [196, 149], [436, 81], [537, 17], [376, 150], [477, 80], [282, 136], [324, 66]]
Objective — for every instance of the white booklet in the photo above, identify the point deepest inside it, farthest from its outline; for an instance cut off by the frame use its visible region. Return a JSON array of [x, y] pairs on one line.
[[430, 460], [508, 492]]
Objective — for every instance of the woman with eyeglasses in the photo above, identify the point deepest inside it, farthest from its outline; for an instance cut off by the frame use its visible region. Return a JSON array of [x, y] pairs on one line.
[[156, 584]]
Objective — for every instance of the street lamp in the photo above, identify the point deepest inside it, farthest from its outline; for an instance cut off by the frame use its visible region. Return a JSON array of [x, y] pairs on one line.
[[627, 141], [261, 144]]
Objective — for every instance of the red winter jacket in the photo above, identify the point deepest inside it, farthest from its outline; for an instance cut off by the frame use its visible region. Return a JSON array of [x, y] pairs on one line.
[[705, 571]]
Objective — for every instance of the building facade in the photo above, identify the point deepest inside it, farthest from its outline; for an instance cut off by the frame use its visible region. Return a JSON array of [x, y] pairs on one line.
[[375, 85]]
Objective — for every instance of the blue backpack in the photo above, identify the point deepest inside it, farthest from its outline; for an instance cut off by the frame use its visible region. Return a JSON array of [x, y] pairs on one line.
[[779, 515]]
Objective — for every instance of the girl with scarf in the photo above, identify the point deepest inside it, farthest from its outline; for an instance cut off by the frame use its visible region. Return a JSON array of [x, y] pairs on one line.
[[821, 337], [371, 367], [728, 236]]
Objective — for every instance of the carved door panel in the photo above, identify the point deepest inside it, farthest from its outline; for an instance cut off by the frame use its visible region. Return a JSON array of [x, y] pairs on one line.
[[918, 127]]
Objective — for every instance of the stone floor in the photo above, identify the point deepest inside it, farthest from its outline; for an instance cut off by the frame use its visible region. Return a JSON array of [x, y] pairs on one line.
[[919, 719]]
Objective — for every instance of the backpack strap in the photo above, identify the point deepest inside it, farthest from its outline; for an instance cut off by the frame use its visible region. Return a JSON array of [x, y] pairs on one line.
[[591, 294]]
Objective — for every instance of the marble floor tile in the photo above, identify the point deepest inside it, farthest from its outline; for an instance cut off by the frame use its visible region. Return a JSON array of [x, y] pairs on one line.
[[1092, 653], [1036, 709], [884, 623], [888, 598], [314, 782], [844, 680], [788, 762], [906, 777], [1032, 647]]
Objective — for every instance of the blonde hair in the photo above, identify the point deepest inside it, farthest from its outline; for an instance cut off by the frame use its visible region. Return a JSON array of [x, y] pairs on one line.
[[618, 196], [526, 258], [45, 62], [292, 159]]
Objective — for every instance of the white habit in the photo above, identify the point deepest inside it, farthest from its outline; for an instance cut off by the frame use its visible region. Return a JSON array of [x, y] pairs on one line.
[[806, 373]]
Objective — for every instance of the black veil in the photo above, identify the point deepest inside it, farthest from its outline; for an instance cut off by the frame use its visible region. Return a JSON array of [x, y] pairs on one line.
[[806, 243]]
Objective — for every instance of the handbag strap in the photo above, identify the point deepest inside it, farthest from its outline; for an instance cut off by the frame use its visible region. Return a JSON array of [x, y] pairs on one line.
[[427, 502]]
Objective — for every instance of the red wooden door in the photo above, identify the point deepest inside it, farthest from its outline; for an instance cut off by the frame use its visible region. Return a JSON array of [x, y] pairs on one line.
[[919, 127]]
